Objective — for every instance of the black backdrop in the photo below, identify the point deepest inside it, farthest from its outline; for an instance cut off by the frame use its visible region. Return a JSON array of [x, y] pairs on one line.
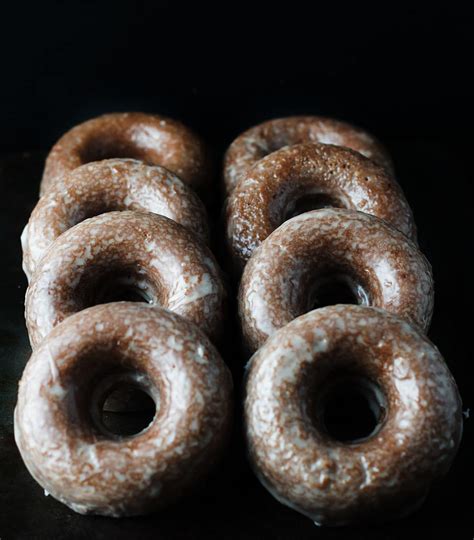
[[395, 70], [402, 73]]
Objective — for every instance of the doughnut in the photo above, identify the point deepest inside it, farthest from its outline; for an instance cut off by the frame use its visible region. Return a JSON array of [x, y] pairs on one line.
[[111, 184], [332, 256], [295, 390], [154, 139], [265, 138], [125, 255], [304, 177], [59, 428]]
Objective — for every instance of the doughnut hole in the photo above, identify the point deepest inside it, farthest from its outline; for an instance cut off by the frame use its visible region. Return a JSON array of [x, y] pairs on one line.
[[110, 396], [299, 196], [311, 201], [331, 288], [93, 208], [122, 405], [103, 283], [352, 409], [101, 147], [321, 285], [344, 403], [269, 146]]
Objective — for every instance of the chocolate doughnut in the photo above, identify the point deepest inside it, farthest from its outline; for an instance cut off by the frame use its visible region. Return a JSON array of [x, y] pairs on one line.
[[72, 453], [121, 256], [257, 142], [347, 256], [154, 139], [103, 186], [308, 176], [294, 388]]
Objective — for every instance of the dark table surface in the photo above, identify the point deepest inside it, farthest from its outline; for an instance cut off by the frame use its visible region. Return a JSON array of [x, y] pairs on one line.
[[435, 174]]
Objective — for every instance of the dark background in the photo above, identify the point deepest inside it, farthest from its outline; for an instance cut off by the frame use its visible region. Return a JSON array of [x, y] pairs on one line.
[[402, 73]]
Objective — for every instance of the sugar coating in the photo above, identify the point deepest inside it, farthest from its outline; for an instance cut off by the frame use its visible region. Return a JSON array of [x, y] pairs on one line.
[[167, 262], [104, 186], [92, 472], [382, 477], [154, 139], [269, 189], [277, 280], [258, 141]]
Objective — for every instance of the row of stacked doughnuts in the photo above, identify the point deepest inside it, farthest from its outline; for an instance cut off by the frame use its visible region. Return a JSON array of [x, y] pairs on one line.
[[377, 259], [315, 217], [312, 204], [108, 229], [142, 230]]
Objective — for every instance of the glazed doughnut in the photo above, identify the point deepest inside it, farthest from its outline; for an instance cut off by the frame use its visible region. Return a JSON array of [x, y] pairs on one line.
[[103, 186], [257, 142], [154, 139], [307, 176], [353, 254], [58, 426], [120, 256], [292, 385]]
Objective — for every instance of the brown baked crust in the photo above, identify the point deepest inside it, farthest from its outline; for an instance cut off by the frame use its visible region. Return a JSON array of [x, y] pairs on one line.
[[383, 268], [104, 186], [270, 191], [88, 468], [258, 141], [384, 476], [159, 258], [154, 139]]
